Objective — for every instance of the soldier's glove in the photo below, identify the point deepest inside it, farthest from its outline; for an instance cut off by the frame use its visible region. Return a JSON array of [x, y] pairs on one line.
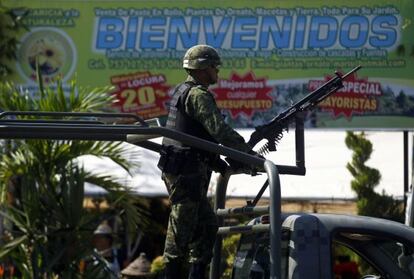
[[219, 165], [236, 166]]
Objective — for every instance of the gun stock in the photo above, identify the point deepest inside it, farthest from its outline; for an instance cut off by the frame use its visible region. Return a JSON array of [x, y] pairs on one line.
[[273, 131]]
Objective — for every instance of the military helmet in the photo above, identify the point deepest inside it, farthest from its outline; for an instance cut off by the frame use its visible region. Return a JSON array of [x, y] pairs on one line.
[[200, 57]]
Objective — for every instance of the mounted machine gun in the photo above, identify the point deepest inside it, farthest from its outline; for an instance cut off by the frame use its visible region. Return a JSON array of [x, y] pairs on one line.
[[273, 131]]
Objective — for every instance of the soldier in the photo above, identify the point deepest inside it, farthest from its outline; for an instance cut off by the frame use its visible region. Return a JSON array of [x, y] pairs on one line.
[[186, 170]]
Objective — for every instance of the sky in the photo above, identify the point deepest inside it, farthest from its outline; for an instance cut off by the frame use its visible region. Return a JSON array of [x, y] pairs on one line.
[[326, 156]]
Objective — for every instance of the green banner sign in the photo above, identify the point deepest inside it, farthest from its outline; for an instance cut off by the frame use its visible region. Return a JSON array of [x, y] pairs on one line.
[[273, 54]]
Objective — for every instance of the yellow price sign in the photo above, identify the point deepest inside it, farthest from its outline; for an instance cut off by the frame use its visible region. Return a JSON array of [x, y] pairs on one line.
[[142, 96]]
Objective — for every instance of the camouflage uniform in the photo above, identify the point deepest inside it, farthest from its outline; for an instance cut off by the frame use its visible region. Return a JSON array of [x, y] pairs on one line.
[[186, 170], [192, 224]]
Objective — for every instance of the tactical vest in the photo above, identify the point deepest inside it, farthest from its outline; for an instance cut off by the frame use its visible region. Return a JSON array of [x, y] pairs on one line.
[[179, 120]]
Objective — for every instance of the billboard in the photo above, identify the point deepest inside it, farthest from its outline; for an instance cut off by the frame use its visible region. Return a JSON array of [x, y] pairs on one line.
[[274, 53]]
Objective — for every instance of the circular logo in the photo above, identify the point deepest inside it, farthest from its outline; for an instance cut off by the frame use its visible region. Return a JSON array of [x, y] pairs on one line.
[[50, 49]]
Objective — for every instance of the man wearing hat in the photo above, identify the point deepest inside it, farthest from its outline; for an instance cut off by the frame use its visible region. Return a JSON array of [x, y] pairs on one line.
[[103, 244]]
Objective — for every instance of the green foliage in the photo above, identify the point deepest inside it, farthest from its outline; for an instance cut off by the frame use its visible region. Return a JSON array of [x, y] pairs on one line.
[[49, 232], [369, 202], [50, 228], [157, 265], [405, 103], [11, 23], [228, 252]]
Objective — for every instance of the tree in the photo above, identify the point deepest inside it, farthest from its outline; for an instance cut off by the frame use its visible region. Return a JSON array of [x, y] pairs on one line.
[[369, 202], [401, 100], [11, 23], [49, 230]]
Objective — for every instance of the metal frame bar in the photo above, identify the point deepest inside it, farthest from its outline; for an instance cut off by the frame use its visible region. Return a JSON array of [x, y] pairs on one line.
[[219, 203], [243, 210], [7, 114], [107, 132], [274, 208], [405, 166], [274, 229], [114, 133], [275, 220]]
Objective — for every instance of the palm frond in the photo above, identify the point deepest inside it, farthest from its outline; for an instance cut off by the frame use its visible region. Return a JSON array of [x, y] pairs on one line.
[[17, 217], [10, 246], [96, 99], [13, 98]]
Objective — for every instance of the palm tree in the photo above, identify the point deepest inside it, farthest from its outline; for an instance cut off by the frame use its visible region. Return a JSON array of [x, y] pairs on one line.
[[49, 229]]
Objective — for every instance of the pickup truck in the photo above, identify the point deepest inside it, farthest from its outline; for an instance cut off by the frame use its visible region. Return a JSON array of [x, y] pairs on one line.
[[309, 241], [302, 246]]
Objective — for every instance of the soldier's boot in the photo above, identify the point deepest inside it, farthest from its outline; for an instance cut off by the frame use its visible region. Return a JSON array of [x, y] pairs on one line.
[[172, 270], [197, 271]]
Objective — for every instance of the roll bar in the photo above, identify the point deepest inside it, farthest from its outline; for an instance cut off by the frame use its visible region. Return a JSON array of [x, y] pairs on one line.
[[89, 126]]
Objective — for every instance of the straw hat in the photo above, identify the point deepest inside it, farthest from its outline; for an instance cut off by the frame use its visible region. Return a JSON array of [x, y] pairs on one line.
[[141, 266]]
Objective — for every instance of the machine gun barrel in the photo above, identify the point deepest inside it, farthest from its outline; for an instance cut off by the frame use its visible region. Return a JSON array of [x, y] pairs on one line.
[[273, 130], [316, 96]]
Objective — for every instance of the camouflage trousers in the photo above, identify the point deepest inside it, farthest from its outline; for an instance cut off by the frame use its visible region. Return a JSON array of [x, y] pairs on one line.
[[192, 225]]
